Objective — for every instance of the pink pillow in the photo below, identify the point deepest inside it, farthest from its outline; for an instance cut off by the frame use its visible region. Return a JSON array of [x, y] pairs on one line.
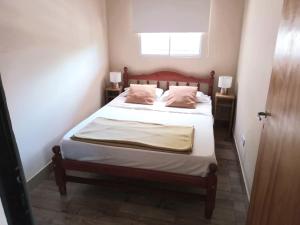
[[141, 94], [182, 97]]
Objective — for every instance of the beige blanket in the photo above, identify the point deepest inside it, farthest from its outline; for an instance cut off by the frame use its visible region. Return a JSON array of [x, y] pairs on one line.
[[149, 136]]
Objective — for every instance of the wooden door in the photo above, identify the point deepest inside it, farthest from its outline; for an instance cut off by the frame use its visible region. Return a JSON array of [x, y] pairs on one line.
[[275, 197]]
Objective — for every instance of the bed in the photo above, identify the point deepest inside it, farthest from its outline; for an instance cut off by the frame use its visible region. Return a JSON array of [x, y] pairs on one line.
[[197, 169]]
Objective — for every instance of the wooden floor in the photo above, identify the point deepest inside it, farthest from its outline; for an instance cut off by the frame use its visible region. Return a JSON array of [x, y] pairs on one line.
[[91, 205]]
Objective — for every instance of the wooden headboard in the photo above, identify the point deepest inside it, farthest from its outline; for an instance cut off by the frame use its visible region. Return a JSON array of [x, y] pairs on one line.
[[169, 76]]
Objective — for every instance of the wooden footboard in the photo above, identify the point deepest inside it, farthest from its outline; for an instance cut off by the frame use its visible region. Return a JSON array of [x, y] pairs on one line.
[[59, 170], [62, 165]]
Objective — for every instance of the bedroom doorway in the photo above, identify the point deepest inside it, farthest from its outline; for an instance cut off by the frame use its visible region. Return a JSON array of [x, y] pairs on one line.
[[275, 195]]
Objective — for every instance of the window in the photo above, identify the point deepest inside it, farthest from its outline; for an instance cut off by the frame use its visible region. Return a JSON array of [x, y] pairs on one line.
[[155, 43], [171, 44]]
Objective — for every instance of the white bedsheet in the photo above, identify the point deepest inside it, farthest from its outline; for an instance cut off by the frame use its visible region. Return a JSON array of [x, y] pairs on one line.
[[195, 163]]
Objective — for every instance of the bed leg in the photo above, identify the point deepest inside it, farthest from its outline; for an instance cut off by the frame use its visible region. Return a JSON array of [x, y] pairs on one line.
[[59, 171], [211, 191]]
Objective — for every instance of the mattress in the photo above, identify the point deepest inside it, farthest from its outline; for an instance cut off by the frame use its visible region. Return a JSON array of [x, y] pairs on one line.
[[196, 163]]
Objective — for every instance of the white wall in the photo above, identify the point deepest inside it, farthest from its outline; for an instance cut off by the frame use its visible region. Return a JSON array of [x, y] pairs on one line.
[[2, 215], [225, 32], [261, 22], [54, 62]]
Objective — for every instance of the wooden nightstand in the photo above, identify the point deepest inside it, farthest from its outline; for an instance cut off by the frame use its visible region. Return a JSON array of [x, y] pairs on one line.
[[111, 93], [224, 109]]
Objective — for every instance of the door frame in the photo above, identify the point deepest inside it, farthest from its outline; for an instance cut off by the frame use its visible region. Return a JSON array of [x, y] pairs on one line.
[[13, 190]]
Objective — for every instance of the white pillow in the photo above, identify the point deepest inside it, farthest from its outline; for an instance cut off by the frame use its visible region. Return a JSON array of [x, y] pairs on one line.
[[200, 96], [158, 92]]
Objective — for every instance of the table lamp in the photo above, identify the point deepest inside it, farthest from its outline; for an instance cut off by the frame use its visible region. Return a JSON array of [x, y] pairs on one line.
[[224, 83], [115, 78]]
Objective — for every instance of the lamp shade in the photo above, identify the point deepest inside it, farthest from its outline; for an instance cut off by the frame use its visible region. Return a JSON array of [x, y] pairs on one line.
[[225, 82], [115, 77]]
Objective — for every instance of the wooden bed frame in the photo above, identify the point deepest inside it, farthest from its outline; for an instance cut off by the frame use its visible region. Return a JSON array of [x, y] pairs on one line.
[[209, 182]]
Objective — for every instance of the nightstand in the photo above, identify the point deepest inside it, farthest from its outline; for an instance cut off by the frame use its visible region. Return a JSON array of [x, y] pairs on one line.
[[111, 93], [224, 109]]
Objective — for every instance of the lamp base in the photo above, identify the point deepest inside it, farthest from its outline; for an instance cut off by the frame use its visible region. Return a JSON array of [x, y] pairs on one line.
[[224, 91], [115, 85]]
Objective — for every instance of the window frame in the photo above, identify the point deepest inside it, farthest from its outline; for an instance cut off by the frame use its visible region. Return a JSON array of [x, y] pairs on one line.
[[183, 56]]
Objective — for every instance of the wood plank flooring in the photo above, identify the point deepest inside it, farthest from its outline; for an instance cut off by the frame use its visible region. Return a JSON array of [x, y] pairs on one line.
[[94, 205]]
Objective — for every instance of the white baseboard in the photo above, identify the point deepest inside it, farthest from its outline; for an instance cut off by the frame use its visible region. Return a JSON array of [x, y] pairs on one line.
[[39, 177], [242, 168]]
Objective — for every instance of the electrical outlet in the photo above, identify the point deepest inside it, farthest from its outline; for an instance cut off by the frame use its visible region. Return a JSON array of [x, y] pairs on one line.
[[243, 140]]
